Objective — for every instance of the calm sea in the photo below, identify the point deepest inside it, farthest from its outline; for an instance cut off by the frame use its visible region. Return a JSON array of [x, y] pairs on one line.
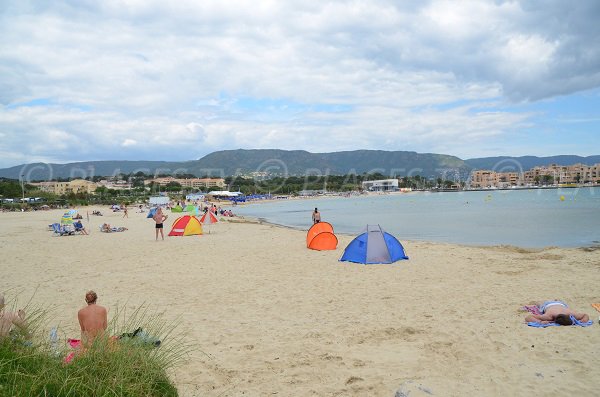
[[524, 218]]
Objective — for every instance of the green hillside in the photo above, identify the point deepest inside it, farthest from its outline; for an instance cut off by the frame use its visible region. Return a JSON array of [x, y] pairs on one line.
[[294, 162]]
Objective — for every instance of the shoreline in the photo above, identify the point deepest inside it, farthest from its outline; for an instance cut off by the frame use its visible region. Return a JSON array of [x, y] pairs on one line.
[[483, 211], [592, 247]]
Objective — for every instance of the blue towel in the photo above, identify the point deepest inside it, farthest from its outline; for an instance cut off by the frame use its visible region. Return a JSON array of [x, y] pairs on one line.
[[573, 319]]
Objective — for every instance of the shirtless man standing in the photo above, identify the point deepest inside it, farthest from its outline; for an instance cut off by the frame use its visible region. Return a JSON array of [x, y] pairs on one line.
[[316, 216], [159, 218], [92, 319], [10, 319], [556, 312]]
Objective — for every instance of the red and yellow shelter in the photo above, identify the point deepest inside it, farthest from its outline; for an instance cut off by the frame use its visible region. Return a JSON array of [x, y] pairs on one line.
[[186, 225]]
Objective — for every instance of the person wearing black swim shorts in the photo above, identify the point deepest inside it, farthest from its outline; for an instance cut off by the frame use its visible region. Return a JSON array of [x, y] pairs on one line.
[[159, 218]]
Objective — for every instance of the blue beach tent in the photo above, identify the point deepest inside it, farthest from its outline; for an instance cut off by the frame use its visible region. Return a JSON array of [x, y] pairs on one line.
[[374, 246]]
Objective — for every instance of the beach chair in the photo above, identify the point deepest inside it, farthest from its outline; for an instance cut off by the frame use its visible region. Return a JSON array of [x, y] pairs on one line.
[[61, 230]]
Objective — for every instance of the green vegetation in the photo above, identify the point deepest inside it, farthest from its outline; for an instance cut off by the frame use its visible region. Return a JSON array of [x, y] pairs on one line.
[[257, 185], [31, 366], [331, 183]]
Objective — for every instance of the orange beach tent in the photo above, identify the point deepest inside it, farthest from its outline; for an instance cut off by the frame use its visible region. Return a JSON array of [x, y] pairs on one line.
[[186, 225], [320, 237]]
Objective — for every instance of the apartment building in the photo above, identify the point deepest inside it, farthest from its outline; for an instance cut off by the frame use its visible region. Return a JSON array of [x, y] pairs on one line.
[[195, 183], [61, 188], [482, 179], [552, 174]]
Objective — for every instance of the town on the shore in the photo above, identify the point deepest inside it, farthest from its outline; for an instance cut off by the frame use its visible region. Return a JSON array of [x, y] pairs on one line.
[[134, 187]]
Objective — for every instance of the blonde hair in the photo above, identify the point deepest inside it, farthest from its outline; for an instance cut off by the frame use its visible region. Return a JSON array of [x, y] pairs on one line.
[[91, 297]]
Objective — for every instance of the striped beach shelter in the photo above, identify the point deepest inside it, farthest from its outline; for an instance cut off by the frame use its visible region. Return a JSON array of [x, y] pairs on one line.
[[208, 219], [66, 222], [67, 219]]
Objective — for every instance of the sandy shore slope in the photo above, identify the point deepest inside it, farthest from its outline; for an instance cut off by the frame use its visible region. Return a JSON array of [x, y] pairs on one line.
[[271, 317]]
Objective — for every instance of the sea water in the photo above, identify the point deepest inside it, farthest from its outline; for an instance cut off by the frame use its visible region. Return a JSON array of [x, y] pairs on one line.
[[565, 217]]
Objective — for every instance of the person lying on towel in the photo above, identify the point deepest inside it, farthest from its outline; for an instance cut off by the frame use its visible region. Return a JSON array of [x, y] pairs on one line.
[[556, 312]]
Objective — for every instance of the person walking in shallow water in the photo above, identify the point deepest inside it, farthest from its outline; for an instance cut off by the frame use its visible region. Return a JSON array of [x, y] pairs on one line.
[[316, 216], [159, 218]]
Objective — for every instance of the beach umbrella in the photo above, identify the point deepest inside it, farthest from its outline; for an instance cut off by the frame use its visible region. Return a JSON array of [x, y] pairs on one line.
[[66, 220], [208, 219]]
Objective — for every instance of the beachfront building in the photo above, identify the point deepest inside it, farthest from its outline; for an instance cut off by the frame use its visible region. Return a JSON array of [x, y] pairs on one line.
[[537, 176], [383, 185], [556, 174], [194, 183], [44, 186], [81, 186], [482, 179], [61, 188], [115, 184]]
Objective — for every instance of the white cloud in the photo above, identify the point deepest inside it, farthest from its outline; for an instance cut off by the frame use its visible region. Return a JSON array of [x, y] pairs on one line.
[[147, 76], [129, 142]]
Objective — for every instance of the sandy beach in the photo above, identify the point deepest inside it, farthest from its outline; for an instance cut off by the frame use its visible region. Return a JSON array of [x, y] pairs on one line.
[[270, 317]]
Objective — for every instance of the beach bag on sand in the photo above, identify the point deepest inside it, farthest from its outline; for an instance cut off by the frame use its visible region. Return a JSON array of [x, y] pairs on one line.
[[140, 336]]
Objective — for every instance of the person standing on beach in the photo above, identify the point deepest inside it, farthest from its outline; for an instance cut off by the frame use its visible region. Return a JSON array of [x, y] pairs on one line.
[[10, 319], [316, 216], [159, 218], [93, 319], [125, 215]]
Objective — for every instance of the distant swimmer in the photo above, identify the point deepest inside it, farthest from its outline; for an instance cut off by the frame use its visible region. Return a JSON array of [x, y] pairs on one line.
[[316, 216]]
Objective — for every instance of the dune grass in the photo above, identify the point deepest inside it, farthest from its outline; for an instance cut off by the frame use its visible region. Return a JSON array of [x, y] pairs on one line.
[[30, 365]]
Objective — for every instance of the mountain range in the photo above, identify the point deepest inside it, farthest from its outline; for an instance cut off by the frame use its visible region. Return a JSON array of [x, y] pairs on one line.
[[261, 162]]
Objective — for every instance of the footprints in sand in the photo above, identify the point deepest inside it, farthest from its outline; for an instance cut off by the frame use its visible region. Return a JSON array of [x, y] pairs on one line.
[[353, 379], [408, 334], [330, 357]]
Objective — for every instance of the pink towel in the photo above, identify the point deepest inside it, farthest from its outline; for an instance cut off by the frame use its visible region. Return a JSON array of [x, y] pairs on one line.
[[533, 309], [69, 357]]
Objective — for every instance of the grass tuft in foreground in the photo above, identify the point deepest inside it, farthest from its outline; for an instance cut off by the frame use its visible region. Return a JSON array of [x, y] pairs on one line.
[[31, 366]]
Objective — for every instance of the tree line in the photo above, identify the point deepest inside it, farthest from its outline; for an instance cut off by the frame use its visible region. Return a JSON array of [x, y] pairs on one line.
[[291, 185]]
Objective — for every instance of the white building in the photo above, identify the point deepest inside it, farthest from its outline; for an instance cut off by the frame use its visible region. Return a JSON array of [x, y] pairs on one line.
[[383, 185]]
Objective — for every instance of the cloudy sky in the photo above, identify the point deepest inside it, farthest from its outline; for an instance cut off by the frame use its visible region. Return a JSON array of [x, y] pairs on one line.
[[161, 80]]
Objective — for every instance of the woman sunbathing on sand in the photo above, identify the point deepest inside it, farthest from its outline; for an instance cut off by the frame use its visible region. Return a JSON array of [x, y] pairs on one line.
[[106, 228], [556, 312]]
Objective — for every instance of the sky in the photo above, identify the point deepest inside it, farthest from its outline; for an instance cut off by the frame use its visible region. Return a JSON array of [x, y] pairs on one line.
[[158, 80]]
